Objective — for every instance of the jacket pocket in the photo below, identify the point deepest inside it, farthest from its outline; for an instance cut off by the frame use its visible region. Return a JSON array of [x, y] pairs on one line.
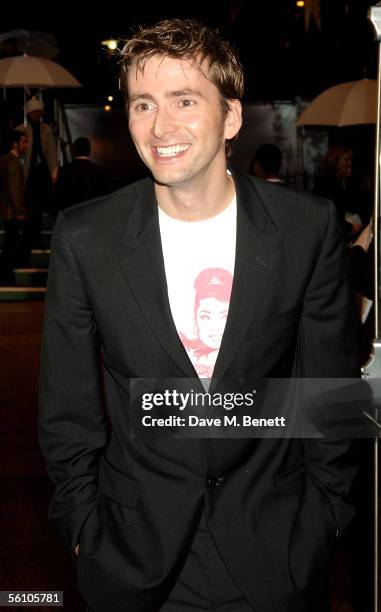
[[312, 538]]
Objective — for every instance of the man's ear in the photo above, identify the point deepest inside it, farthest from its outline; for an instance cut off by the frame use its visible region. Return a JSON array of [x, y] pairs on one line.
[[233, 119]]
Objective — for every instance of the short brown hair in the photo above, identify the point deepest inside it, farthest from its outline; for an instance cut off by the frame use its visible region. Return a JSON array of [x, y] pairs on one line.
[[186, 39]]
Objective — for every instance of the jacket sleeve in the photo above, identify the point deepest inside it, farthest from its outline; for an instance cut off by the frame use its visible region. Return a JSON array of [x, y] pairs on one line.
[[15, 184], [328, 348], [73, 429]]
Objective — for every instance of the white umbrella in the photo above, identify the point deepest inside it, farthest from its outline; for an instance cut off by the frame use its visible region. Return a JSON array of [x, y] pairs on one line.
[[353, 103], [30, 71]]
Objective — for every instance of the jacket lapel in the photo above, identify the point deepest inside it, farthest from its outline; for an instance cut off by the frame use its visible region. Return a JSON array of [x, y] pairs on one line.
[[257, 251], [144, 272]]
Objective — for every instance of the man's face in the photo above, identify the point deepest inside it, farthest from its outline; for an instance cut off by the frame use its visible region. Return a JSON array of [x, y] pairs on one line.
[[22, 145], [177, 121], [344, 165], [35, 116]]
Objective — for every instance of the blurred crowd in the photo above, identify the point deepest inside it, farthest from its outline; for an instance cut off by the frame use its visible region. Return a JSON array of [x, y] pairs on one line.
[[353, 199], [33, 186]]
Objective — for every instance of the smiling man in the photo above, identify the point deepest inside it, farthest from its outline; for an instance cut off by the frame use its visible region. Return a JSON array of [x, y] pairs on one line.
[[194, 272], [179, 123]]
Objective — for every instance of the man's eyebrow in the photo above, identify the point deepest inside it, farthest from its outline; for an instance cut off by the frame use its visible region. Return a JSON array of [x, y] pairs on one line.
[[139, 96], [170, 94], [184, 92]]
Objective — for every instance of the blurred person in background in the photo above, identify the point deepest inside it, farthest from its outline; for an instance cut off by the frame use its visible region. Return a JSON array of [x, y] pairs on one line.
[[267, 163], [82, 179], [40, 170], [337, 183], [12, 206]]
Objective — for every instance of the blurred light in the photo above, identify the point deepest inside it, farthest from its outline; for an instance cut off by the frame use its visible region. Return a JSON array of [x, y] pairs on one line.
[[111, 44], [107, 108], [300, 3], [110, 98]]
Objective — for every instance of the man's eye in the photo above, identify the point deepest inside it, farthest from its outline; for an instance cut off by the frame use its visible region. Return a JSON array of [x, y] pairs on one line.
[[143, 107], [186, 102]]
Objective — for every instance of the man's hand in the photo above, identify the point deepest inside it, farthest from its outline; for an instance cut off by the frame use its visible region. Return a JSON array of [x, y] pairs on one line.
[[76, 550]]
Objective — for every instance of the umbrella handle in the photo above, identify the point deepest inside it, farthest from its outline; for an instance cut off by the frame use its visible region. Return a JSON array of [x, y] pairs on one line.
[[25, 120]]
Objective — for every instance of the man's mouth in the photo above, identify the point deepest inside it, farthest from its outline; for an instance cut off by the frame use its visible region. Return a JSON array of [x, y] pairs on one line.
[[171, 151]]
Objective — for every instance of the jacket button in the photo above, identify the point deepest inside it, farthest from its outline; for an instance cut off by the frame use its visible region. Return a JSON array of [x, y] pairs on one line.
[[213, 483]]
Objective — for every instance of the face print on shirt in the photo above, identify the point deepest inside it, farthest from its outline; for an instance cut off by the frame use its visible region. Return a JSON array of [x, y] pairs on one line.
[[212, 290]]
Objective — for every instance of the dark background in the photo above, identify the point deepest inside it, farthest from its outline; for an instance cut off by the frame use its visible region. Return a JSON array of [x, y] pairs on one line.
[[281, 59]]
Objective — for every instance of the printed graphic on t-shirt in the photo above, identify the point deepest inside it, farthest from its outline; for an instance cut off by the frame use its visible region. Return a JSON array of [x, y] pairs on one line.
[[212, 290]]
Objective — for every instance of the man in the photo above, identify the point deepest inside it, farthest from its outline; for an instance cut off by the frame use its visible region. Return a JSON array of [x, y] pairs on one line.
[[337, 183], [12, 205], [82, 179], [267, 163], [40, 169], [192, 524], [42, 146]]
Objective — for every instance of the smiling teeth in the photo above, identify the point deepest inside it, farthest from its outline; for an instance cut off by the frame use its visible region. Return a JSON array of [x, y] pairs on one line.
[[171, 151]]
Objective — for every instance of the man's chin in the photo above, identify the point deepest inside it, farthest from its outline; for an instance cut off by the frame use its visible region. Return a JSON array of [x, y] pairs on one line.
[[170, 179]]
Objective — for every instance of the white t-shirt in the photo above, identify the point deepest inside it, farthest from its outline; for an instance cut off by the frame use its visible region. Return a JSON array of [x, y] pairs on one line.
[[199, 261]]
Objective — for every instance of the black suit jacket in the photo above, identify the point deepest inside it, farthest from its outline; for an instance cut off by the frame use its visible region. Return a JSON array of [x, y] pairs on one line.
[[134, 505]]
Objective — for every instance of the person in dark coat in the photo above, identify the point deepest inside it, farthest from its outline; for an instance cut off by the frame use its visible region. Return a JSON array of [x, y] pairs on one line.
[[267, 163], [175, 523], [82, 179], [338, 184], [12, 206]]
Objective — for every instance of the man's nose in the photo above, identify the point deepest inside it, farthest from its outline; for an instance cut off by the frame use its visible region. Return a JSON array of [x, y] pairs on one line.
[[164, 123]]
